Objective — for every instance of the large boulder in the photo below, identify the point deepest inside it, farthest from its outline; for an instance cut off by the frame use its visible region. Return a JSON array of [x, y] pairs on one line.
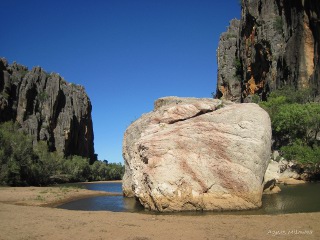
[[197, 154]]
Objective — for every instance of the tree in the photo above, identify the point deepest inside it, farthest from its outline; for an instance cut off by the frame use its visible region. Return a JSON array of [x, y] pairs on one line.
[[24, 163], [77, 168], [115, 171], [295, 125], [16, 155]]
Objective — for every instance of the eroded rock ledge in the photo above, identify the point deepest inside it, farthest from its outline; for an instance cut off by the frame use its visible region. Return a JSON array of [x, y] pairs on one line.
[[197, 154]]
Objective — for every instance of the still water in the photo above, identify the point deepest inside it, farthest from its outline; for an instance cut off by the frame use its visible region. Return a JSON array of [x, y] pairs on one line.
[[292, 199]]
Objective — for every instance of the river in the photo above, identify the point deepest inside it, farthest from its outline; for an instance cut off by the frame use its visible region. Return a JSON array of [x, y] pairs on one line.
[[292, 199]]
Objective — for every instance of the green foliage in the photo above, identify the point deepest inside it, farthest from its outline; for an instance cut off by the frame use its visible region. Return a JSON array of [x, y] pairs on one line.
[[231, 35], [23, 164], [103, 171], [43, 96], [238, 66], [17, 76], [278, 24], [99, 171], [77, 168], [255, 99], [273, 104], [302, 153], [48, 164], [5, 95], [298, 121], [295, 124], [115, 171], [16, 155], [291, 95]]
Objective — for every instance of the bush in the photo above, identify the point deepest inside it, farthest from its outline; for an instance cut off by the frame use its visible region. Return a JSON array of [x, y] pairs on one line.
[[23, 164], [77, 168], [115, 171], [238, 66], [16, 155], [278, 24], [48, 164], [292, 121], [295, 124], [302, 153]]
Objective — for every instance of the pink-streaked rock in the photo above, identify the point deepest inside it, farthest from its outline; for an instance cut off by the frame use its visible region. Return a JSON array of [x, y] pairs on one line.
[[197, 154]]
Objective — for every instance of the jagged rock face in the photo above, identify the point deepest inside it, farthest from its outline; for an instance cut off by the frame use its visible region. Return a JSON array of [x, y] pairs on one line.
[[277, 45], [229, 82], [197, 154], [48, 108]]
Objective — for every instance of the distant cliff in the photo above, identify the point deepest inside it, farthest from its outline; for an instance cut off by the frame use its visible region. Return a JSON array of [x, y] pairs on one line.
[[276, 43], [48, 108]]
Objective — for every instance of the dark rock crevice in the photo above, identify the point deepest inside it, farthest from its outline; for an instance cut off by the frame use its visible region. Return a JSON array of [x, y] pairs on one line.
[[201, 112]]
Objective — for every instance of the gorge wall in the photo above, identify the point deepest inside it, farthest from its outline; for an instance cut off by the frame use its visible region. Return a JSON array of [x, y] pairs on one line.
[[275, 44], [48, 108]]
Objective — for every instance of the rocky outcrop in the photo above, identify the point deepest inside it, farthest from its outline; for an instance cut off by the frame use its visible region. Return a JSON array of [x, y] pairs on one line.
[[48, 108], [276, 44], [197, 154], [229, 74], [280, 171]]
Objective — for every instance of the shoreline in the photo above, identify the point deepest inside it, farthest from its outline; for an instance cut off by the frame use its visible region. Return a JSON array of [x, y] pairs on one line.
[[22, 207], [107, 181], [52, 196], [43, 223]]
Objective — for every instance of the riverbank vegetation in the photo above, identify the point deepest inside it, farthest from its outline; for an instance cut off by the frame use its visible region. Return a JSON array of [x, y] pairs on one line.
[[23, 163], [295, 118]]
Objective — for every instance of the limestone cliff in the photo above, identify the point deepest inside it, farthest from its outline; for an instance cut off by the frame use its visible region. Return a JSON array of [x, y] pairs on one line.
[[275, 43], [48, 108]]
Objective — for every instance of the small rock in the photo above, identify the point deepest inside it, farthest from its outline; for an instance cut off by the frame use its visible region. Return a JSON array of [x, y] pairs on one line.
[[291, 181], [276, 155], [275, 189], [288, 173]]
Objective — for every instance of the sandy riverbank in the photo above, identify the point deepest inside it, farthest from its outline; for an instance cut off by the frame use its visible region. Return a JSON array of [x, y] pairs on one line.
[[22, 216], [46, 196]]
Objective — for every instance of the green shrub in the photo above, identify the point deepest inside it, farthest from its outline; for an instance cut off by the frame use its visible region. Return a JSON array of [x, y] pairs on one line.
[[16, 155], [302, 153], [278, 24], [238, 66], [115, 171], [43, 96], [23, 164], [295, 123], [77, 168]]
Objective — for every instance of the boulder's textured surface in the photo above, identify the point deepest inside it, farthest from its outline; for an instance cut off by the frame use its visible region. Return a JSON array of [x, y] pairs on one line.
[[276, 43], [48, 108], [197, 154]]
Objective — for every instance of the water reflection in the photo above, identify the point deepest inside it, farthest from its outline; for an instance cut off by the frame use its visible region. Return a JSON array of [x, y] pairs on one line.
[[115, 187], [104, 203], [292, 199]]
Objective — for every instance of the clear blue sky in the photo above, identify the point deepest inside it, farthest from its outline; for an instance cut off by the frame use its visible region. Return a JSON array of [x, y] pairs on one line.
[[126, 53]]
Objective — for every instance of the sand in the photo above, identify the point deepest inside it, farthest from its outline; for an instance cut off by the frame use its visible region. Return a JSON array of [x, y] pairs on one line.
[[25, 214]]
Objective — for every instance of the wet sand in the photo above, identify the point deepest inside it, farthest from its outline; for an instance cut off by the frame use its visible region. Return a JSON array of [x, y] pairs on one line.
[[24, 214]]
